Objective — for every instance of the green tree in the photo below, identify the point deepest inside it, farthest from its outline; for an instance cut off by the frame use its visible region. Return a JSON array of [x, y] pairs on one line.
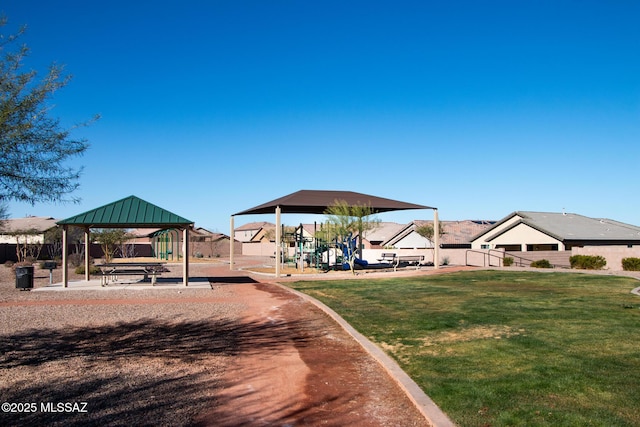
[[427, 231], [110, 239], [4, 215], [345, 221], [34, 148]]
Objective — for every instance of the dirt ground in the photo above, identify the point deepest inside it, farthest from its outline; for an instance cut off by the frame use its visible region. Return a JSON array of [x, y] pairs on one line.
[[262, 356]]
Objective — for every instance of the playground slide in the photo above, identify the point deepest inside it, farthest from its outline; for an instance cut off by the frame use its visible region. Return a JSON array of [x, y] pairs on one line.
[[358, 261], [362, 262]]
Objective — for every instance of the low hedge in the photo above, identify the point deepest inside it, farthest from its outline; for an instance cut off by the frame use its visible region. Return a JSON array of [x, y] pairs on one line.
[[587, 262], [631, 264], [93, 270], [541, 263], [507, 261]]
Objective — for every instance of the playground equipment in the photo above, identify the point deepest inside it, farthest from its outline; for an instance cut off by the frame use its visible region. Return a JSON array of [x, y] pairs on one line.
[[303, 248], [301, 251], [337, 254], [349, 248], [165, 243]]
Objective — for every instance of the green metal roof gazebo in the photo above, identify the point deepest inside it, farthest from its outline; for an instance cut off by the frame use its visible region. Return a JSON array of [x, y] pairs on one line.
[[130, 212]]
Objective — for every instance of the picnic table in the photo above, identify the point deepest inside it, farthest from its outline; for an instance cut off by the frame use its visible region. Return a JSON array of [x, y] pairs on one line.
[[416, 260], [111, 271], [396, 260]]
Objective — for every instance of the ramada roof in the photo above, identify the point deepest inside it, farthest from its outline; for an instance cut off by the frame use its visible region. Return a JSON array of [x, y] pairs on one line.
[[129, 212], [317, 202]]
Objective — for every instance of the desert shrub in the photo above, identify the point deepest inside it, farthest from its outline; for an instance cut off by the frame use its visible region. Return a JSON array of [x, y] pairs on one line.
[[76, 259], [587, 262], [541, 263], [631, 264], [92, 270], [507, 261], [8, 264]]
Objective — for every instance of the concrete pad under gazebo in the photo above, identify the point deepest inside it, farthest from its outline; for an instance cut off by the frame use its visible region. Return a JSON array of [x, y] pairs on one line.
[[317, 202], [130, 212]]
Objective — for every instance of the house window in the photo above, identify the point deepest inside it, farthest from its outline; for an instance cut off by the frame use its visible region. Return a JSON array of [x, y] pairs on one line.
[[485, 246], [512, 248], [542, 247]]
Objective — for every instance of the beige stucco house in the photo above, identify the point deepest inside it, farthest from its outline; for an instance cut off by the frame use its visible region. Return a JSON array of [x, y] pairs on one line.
[[457, 234], [30, 229], [547, 231], [254, 232]]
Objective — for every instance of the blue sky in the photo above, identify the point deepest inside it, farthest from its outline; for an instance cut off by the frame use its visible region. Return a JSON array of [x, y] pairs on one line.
[[478, 108]]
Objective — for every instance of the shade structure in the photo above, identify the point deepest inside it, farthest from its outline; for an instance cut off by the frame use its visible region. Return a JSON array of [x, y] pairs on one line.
[[130, 212], [317, 202]]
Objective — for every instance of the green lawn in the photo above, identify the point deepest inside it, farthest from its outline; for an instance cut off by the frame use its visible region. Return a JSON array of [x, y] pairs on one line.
[[500, 348]]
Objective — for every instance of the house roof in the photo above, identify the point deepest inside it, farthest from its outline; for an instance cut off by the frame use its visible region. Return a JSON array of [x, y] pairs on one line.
[[30, 223], [569, 227], [143, 232], [255, 226], [203, 231], [125, 213], [455, 232], [218, 236], [460, 232], [317, 202], [383, 231]]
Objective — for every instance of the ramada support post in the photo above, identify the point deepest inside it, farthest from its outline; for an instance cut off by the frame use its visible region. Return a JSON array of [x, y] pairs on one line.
[[87, 253], [185, 254], [65, 256]]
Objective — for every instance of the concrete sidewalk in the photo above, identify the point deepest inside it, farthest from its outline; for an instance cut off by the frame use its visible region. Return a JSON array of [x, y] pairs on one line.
[[95, 285]]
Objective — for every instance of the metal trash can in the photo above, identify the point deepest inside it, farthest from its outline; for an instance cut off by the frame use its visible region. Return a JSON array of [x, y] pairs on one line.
[[24, 277]]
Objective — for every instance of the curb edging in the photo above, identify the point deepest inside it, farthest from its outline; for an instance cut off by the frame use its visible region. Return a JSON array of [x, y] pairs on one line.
[[421, 401]]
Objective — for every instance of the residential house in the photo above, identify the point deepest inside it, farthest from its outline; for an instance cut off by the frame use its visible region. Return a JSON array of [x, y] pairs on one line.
[[24, 237], [528, 236], [208, 244], [31, 229], [255, 232], [376, 238], [547, 231], [456, 234], [257, 238]]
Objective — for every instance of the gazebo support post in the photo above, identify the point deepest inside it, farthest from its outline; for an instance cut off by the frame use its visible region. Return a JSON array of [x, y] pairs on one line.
[[87, 254], [436, 239], [232, 233], [65, 256], [185, 256], [278, 238]]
